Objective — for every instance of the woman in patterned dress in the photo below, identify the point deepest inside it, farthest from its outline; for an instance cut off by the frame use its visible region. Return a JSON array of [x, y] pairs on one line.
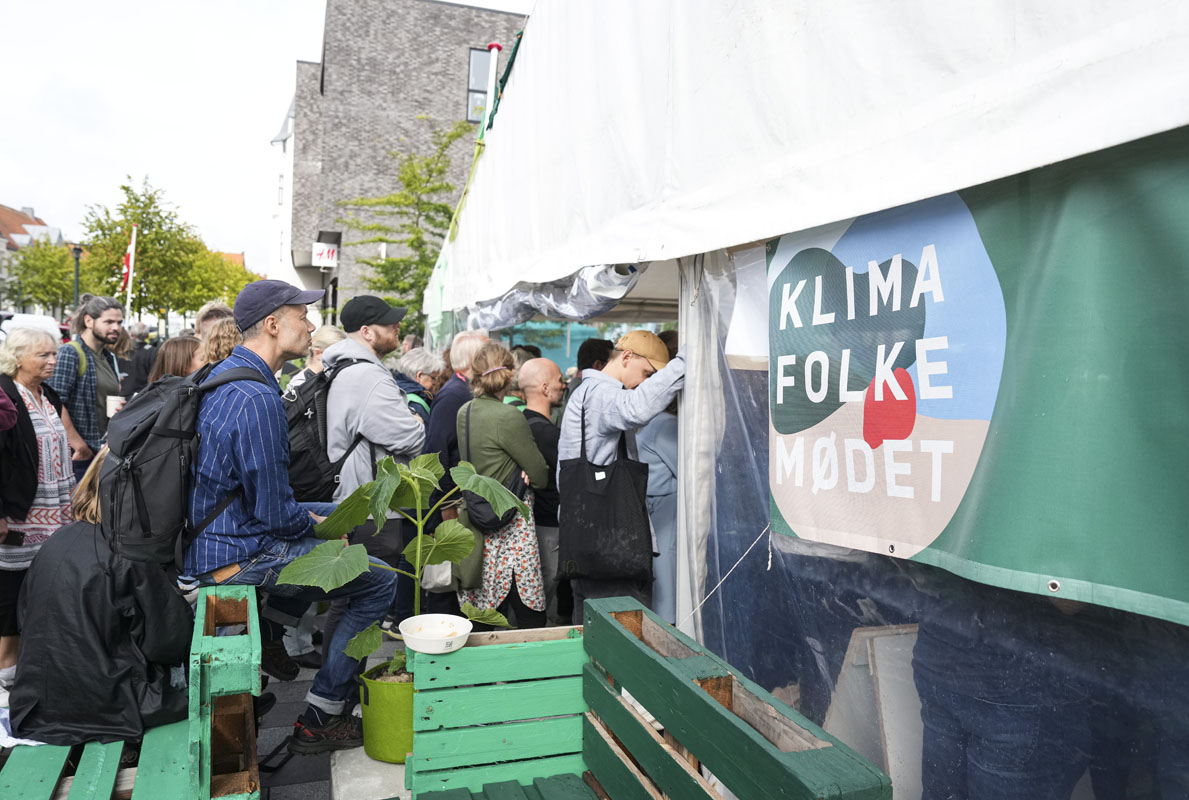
[[36, 475], [499, 444]]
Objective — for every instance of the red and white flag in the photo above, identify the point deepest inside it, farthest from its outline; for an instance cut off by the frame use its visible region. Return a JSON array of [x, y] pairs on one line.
[[129, 262]]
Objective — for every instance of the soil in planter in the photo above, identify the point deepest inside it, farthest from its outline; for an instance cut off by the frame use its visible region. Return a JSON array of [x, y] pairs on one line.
[[400, 677]]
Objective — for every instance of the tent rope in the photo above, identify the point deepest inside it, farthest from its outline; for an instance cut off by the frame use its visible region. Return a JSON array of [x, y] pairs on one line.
[[732, 569]]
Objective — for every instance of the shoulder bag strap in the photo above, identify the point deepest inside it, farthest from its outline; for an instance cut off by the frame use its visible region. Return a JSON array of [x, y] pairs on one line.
[[582, 406], [467, 428]]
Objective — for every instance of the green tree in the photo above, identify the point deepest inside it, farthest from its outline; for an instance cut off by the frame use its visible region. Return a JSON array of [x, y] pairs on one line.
[[174, 270], [414, 219], [46, 275]]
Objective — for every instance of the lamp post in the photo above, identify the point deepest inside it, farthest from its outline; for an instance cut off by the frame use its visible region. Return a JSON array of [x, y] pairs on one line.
[[77, 251]]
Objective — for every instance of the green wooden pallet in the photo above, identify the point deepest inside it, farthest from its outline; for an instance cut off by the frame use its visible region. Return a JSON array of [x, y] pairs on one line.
[[176, 760]]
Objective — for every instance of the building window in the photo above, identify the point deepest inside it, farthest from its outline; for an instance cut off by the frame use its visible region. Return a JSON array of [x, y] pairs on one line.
[[477, 84]]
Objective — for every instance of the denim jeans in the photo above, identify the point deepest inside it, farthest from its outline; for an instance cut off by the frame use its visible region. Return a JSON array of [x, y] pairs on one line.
[[368, 597]]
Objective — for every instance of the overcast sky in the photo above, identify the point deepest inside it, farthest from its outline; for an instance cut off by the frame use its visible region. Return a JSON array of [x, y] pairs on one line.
[[188, 93]]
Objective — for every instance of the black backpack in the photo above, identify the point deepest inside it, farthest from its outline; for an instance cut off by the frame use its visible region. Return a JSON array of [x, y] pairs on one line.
[[312, 474], [145, 482]]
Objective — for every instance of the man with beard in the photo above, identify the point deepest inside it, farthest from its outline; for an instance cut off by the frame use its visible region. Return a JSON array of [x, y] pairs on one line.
[[85, 375]]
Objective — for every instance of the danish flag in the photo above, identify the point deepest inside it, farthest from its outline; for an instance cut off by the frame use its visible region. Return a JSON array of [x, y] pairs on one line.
[[129, 259]]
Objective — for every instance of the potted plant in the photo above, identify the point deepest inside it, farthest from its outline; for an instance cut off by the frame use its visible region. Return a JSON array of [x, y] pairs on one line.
[[387, 693]]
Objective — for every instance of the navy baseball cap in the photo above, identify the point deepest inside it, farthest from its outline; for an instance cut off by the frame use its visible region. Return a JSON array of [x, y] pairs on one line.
[[367, 309], [260, 298]]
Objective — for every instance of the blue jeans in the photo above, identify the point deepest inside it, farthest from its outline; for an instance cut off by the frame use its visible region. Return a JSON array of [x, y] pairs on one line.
[[368, 598]]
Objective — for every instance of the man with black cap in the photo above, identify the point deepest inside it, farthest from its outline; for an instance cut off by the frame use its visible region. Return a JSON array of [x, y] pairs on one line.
[[365, 403], [243, 453]]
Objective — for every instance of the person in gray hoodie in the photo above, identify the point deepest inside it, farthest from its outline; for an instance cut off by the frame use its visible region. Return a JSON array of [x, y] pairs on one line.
[[365, 401]]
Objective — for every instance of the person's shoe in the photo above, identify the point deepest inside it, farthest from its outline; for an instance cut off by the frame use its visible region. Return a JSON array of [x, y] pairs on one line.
[[261, 705], [316, 638], [276, 662], [310, 660], [341, 732]]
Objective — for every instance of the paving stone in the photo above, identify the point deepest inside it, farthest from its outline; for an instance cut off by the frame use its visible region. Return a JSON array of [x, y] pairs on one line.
[[356, 776]]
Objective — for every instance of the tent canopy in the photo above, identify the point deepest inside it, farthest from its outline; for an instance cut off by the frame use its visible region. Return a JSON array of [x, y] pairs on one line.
[[637, 132]]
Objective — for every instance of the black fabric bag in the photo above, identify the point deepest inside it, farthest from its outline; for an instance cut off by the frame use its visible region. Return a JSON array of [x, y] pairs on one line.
[[312, 474], [603, 521], [479, 512], [145, 482]]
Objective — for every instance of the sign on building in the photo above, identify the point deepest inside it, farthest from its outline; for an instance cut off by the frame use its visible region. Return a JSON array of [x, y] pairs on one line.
[[325, 255]]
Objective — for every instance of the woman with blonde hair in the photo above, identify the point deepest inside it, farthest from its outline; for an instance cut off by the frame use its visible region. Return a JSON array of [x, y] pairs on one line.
[[220, 340], [496, 439], [321, 339], [107, 628]]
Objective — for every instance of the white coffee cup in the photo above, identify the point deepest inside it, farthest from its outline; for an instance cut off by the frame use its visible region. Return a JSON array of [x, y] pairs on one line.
[[114, 404]]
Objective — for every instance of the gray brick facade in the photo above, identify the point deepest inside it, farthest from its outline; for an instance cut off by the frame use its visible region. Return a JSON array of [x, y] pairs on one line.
[[384, 64]]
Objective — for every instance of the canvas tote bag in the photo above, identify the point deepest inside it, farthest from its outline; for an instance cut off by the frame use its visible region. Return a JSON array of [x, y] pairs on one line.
[[604, 529]]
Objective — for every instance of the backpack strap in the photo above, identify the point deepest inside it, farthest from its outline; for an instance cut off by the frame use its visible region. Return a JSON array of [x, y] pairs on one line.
[[419, 400], [82, 357]]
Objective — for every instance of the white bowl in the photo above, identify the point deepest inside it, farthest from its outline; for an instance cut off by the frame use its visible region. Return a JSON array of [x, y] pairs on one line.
[[435, 633]]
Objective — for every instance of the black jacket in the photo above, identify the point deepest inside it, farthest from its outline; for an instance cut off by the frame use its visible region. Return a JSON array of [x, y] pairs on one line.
[[441, 436], [18, 454], [546, 435], [97, 636]]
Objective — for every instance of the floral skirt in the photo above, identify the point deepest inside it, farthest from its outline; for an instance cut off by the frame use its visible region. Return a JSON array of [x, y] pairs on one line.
[[510, 553]]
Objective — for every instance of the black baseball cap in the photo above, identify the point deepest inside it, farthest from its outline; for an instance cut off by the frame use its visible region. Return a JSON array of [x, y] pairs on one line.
[[367, 309], [260, 298]]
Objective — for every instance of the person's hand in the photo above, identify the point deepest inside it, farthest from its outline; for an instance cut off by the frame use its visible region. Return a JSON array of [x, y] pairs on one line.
[[3, 529], [80, 451], [524, 476], [315, 517]]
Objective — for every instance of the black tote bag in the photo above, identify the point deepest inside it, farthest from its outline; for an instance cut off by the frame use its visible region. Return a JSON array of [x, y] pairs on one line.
[[604, 529]]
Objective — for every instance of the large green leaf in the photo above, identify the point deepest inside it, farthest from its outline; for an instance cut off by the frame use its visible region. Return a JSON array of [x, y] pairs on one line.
[[451, 541], [364, 643], [488, 488], [412, 493], [350, 514], [328, 566], [428, 466], [488, 616], [388, 480]]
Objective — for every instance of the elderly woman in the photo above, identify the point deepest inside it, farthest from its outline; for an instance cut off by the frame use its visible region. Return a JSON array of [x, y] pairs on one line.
[[415, 373], [322, 338], [36, 475], [497, 440]]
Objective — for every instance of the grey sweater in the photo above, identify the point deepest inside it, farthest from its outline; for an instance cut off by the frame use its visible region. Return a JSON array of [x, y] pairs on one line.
[[364, 398]]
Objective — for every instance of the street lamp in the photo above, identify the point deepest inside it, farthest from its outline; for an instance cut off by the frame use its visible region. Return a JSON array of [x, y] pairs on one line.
[[77, 251]]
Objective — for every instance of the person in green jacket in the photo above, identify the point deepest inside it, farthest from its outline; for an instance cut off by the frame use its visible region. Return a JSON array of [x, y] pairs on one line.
[[497, 440]]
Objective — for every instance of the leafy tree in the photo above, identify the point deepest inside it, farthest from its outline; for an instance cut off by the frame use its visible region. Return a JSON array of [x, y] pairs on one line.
[[415, 218], [46, 275], [174, 270]]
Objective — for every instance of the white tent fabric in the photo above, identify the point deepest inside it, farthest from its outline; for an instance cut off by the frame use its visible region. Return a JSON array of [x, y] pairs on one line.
[[636, 131]]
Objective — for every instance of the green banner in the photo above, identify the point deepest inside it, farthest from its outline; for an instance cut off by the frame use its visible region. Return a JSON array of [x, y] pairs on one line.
[[994, 381]]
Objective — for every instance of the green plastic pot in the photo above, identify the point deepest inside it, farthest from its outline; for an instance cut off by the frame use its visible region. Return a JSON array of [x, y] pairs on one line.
[[387, 717]]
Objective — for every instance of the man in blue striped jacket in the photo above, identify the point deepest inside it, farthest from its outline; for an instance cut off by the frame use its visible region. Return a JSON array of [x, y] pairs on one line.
[[244, 447]]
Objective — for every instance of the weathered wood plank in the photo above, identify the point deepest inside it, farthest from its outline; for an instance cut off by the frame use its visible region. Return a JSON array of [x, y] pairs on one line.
[[615, 772], [164, 768], [667, 768], [488, 744], [480, 705], [504, 790], [474, 778], [448, 794], [31, 773], [731, 748], [513, 662], [563, 787], [96, 774]]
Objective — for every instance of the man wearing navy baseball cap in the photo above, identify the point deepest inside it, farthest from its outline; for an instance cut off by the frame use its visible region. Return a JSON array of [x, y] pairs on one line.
[[242, 479]]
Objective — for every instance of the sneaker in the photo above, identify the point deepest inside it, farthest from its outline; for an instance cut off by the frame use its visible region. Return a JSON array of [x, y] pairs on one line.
[[310, 660], [342, 732], [276, 662]]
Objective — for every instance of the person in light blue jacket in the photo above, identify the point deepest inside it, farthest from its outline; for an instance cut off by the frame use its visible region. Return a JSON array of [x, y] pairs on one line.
[[657, 442]]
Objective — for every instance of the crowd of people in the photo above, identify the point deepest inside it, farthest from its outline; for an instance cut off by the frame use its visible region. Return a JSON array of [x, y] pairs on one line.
[[509, 412]]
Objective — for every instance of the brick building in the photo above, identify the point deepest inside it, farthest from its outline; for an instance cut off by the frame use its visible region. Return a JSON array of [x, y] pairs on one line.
[[384, 64]]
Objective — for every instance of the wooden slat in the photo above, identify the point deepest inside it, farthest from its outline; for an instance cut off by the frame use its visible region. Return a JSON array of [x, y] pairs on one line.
[[480, 705], [615, 773], [513, 662], [96, 774], [449, 794], [164, 769], [31, 773], [730, 747], [488, 744], [664, 765], [474, 778], [563, 787], [504, 790]]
